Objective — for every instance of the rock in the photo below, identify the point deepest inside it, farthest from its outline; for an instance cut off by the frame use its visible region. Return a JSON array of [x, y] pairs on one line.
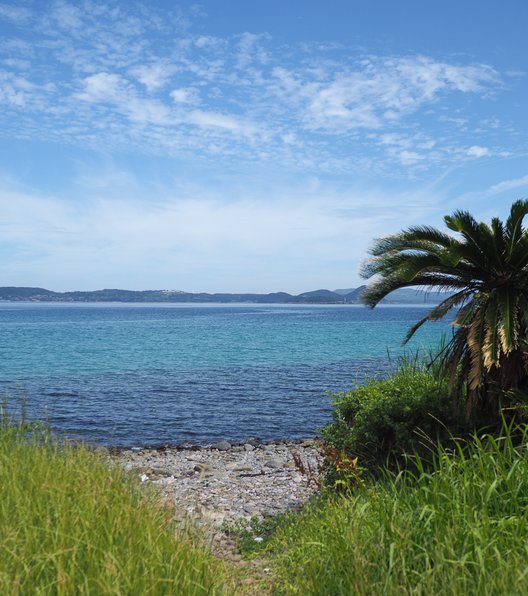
[[242, 468], [274, 463], [203, 467], [221, 446], [309, 443], [249, 447]]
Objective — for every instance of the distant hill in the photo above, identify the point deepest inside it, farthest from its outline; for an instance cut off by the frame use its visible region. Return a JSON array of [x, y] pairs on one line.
[[403, 296], [343, 292], [323, 296]]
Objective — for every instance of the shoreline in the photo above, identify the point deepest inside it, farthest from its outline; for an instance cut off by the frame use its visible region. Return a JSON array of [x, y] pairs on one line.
[[220, 445]]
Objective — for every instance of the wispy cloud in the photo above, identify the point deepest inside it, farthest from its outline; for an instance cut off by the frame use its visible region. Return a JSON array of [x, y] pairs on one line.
[[507, 185], [16, 14], [120, 75], [381, 91], [477, 151], [282, 238]]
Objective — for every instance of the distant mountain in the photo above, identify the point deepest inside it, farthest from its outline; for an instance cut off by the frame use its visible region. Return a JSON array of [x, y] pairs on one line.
[[411, 296], [342, 292], [14, 293], [320, 296], [323, 296], [354, 295]]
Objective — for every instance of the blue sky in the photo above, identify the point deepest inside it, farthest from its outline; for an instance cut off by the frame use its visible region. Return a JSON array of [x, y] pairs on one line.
[[248, 146]]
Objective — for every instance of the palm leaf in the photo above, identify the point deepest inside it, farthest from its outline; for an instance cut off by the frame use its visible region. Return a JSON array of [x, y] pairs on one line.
[[514, 230], [492, 346], [475, 341], [438, 312], [506, 305]]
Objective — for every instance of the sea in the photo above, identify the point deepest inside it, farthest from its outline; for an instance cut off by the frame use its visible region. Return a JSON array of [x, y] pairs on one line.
[[128, 375]]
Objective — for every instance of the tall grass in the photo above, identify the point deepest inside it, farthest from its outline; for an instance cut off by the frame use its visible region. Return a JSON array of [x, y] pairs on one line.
[[458, 528], [70, 524]]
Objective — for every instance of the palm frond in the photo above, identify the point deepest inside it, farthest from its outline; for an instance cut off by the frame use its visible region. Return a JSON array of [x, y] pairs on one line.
[[514, 229], [438, 312], [507, 328], [475, 341], [492, 346]]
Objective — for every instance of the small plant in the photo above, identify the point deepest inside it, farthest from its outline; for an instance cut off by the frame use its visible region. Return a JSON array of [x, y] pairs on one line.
[[342, 471], [312, 474]]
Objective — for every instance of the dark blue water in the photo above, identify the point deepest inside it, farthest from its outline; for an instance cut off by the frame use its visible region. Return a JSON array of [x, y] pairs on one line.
[[166, 374]]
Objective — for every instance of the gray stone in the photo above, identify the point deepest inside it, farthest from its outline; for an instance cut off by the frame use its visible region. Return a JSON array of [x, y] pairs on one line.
[[274, 463], [242, 468], [309, 443], [203, 467], [221, 446], [249, 447]]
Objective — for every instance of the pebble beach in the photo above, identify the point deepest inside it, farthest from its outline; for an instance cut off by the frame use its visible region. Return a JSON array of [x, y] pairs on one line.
[[229, 483]]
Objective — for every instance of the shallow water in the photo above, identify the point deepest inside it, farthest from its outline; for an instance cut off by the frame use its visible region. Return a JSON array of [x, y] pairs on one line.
[[137, 374]]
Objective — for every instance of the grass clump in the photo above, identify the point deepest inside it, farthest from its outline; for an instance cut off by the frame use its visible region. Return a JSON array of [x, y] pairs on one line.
[[458, 527], [70, 524], [251, 536]]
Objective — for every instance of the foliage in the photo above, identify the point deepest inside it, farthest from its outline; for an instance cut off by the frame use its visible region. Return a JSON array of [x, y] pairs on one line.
[[341, 472], [383, 419], [486, 266], [69, 524], [459, 528]]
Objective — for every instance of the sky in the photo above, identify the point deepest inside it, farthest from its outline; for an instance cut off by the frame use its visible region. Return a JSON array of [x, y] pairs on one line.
[[248, 146]]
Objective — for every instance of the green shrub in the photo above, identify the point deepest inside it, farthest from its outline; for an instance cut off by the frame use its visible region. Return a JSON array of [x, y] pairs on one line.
[[383, 419]]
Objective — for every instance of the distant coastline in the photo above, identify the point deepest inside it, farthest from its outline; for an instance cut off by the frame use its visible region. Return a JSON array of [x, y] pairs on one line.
[[347, 296]]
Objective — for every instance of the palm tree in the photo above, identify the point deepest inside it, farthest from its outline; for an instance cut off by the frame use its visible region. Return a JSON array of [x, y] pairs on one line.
[[485, 269]]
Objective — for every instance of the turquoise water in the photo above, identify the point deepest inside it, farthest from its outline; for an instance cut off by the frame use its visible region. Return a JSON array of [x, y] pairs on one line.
[[140, 374]]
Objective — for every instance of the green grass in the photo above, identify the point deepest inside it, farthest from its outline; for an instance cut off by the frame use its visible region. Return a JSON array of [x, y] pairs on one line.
[[71, 524], [458, 528]]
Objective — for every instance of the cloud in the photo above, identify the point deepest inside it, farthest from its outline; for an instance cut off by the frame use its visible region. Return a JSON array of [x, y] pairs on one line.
[[154, 76], [477, 151], [127, 75], [16, 14], [102, 87], [507, 185], [19, 92], [66, 15], [279, 238], [249, 50], [216, 120], [185, 95], [381, 91]]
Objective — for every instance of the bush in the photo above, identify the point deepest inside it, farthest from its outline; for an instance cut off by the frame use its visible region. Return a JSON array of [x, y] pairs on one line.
[[383, 419]]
